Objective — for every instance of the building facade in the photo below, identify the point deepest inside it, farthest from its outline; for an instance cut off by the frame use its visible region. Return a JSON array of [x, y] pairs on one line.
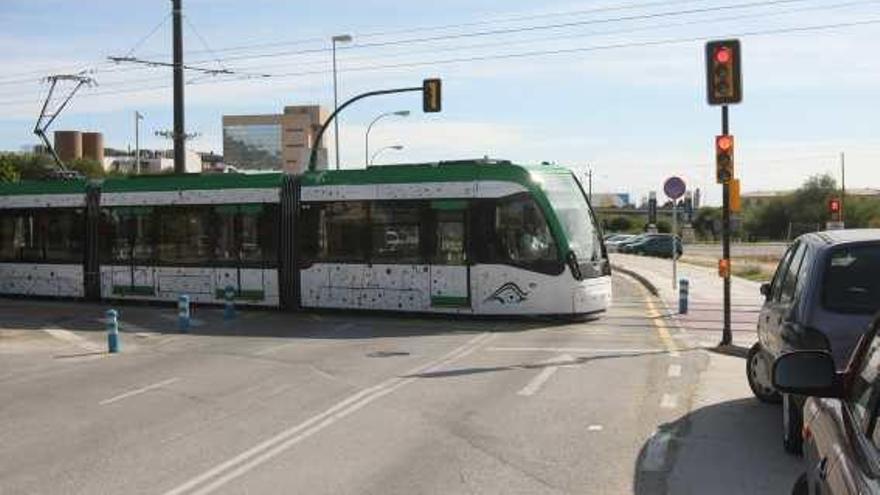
[[274, 141]]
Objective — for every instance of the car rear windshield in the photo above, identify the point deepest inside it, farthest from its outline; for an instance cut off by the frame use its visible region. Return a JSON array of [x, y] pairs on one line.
[[852, 280]]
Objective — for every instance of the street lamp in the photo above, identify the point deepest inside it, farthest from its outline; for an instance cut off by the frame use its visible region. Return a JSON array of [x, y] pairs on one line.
[[342, 38], [399, 113], [396, 147]]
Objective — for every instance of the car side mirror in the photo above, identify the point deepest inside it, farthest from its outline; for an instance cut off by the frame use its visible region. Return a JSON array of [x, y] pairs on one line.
[[807, 373], [765, 289], [572, 261]]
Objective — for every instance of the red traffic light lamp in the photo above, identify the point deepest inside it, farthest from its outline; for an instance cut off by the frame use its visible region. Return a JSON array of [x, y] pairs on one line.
[[724, 158], [834, 206]]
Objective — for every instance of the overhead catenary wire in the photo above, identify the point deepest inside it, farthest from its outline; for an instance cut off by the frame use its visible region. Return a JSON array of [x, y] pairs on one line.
[[527, 54]]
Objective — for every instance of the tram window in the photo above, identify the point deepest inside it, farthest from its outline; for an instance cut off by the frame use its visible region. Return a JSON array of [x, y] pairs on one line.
[[450, 244], [127, 234], [344, 233], [226, 246], [521, 232], [8, 235], [258, 234], [184, 236], [395, 232], [63, 234]]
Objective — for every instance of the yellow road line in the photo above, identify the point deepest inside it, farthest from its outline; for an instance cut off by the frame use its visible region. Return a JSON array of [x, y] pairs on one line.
[[659, 321]]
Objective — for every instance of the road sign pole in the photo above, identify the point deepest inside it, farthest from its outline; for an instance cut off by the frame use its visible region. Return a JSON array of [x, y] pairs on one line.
[[726, 337], [674, 244]]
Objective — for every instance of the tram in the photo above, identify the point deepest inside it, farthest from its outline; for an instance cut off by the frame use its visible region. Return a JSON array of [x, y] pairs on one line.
[[480, 237]]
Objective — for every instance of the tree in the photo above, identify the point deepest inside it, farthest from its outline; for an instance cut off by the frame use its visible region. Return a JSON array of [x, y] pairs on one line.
[[619, 224], [8, 170], [88, 167], [707, 223]]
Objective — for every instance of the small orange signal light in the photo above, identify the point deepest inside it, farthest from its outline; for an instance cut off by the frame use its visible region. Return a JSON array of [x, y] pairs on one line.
[[724, 268]]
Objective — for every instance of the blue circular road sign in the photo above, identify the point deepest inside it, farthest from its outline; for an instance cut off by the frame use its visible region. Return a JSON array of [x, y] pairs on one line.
[[674, 187]]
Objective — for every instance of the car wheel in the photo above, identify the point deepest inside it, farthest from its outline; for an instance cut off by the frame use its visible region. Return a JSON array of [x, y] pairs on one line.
[[801, 485], [758, 374], [792, 424]]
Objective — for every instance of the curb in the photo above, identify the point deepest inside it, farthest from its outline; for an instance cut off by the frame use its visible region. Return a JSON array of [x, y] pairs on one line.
[[640, 278]]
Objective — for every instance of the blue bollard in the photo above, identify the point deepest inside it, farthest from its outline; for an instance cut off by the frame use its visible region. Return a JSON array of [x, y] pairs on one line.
[[183, 313], [683, 287], [112, 331], [229, 308]]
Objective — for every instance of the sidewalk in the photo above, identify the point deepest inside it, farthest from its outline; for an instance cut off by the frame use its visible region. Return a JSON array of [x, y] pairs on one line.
[[703, 322], [728, 442]]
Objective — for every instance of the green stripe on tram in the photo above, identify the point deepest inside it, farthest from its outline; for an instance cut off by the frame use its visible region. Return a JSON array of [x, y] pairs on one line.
[[134, 290], [153, 183], [42, 187], [450, 301], [242, 295]]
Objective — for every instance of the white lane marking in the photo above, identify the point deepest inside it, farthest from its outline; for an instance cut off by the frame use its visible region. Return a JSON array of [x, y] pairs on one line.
[[674, 371], [655, 452], [594, 428], [545, 374], [282, 441], [582, 350], [138, 391], [72, 338], [669, 401]]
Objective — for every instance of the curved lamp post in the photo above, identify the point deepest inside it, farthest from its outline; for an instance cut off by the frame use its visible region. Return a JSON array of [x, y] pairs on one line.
[[396, 147], [342, 38], [399, 113]]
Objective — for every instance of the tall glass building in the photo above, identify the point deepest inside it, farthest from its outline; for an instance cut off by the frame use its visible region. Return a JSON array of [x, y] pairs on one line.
[[273, 141], [253, 146]]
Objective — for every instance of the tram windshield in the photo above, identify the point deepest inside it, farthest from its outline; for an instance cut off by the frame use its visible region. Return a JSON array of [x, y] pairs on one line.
[[571, 208]]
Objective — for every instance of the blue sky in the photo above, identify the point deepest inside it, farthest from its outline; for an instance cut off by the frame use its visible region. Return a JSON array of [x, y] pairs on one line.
[[635, 114]]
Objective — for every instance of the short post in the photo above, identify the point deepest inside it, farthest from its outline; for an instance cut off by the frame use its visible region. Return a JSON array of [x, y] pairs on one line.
[[183, 313], [112, 331], [683, 287], [229, 308]]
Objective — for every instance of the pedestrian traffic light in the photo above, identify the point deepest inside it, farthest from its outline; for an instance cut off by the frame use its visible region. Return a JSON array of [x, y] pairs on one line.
[[734, 202], [431, 101], [723, 72], [724, 158], [834, 206]]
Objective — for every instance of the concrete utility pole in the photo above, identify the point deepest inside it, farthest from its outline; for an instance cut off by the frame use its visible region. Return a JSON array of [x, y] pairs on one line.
[[179, 132], [842, 185], [342, 38], [137, 142]]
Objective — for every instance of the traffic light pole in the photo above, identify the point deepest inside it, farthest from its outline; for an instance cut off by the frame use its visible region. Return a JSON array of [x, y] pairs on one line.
[[726, 337], [317, 141]]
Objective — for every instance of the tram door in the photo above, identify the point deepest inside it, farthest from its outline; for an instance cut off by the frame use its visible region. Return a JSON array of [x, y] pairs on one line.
[[450, 273]]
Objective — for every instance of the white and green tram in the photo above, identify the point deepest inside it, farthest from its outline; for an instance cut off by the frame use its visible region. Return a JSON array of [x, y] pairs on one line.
[[470, 237]]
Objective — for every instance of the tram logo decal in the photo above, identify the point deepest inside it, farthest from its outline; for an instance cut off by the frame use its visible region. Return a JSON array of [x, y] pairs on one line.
[[509, 293]]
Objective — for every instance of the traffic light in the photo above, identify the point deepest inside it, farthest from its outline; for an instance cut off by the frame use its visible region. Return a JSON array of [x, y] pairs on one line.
[[834, 207], [431, 101], [724, 158], [735, 202], [723, 72]]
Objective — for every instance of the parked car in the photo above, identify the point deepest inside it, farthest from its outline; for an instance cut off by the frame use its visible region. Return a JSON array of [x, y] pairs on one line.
[[659, 245], [624, 246], [613, 243], [841, 430], [822, 296]]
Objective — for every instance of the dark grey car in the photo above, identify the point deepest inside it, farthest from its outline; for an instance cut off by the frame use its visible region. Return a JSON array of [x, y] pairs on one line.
[[822, 296]]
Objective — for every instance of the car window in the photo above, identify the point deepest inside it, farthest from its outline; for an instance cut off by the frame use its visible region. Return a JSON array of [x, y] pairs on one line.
[[852, 280], [803, 277], [779, 275], [863, 392], [789, 281]]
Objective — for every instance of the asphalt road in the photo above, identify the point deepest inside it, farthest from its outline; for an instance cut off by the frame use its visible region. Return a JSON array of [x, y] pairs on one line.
[[274, 403]]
